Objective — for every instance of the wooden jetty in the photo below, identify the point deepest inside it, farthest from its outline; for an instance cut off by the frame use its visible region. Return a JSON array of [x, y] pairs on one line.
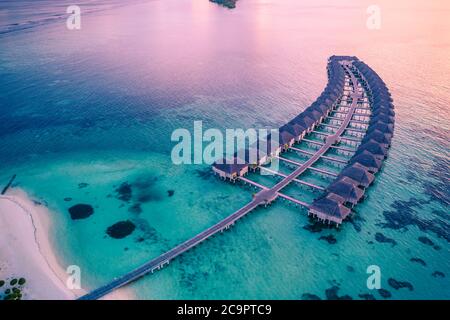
[[350, 82]]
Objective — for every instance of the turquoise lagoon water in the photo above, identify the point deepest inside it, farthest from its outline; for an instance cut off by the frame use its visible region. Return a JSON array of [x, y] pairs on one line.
[[84, 112]]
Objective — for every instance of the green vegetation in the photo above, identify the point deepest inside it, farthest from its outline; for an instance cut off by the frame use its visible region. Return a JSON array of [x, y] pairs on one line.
[[14, 290], [230, 4]]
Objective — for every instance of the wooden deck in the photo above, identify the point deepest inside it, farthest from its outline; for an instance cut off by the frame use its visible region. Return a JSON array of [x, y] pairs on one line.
[[263, 197]]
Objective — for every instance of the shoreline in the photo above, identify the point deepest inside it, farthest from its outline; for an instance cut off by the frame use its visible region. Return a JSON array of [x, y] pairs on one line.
[[26, 251]]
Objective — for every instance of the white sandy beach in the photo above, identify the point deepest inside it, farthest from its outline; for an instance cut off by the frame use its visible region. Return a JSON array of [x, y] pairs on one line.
[[26, 250]]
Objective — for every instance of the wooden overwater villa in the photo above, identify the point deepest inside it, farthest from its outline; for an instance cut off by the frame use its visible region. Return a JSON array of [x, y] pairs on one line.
[[350, 125], [356, 102]]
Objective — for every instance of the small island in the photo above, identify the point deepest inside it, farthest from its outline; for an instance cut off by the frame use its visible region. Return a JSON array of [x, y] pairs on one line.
[[230, 4]]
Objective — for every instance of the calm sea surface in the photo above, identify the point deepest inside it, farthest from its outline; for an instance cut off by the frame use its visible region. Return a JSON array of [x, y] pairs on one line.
[[84, 113]]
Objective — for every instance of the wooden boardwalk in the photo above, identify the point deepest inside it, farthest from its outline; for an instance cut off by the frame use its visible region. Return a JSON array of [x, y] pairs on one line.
[[263, 197], [295, 180], [323, 157]]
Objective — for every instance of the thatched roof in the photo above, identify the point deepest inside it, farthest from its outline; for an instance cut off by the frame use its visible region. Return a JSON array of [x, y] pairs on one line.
[[368, 160], [268, 148], [250, 155], [335, 58], [378, 136], [313, 113], [381, 126], [229, 166], [375, 148], [383, 118], [297, 128], [289, 128], [285, 136], [320, 107], [304, 121], [358, 173], [383, 111], [330, 207], [347, 189]]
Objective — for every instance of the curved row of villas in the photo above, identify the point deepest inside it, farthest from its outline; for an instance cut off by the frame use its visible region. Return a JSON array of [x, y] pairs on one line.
[[348, 188], [291, 132]]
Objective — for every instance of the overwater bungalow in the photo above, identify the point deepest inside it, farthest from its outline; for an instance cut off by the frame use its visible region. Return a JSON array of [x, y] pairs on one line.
[[381, 117], [368, 160], [286, 138], [314, 114], [270, 150], [347, 189], [378, 86], [379, 90], [382, 99], [333, 95], [305, 121], [381, 126], [231, 170], [297, 130], [377, 149], [329, 208], [333, 92], [384, 105], [359, 174], [378, 136], [383, 111], [380, 94], [327, 101], [251, 156], [320, 107]]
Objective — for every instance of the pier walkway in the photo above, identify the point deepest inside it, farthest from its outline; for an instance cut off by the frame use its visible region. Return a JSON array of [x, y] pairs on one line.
[[263, 197], [165, 258]]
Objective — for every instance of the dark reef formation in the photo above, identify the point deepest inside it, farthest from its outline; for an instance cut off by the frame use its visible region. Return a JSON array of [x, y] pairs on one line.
[[332, 294], [124, 192], [437, 274], [428, 242], [230, 4], [143, 189], [204, 174], [81, 211], [310, 296], [121, 229], [315, 227], [135, 208], [384, 293], [419, 261], [438, 189], [147, 232], [405, 215], [82, 185], [356, 221], [400, 284], [366, 296], [329, 238], [383, 239]]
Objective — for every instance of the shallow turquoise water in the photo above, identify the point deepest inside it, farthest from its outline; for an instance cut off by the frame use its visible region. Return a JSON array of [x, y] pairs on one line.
[[98, 107]]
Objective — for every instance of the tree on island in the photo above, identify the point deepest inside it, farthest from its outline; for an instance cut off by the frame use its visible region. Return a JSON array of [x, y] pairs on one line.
[[230, 4], [14, 290]]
